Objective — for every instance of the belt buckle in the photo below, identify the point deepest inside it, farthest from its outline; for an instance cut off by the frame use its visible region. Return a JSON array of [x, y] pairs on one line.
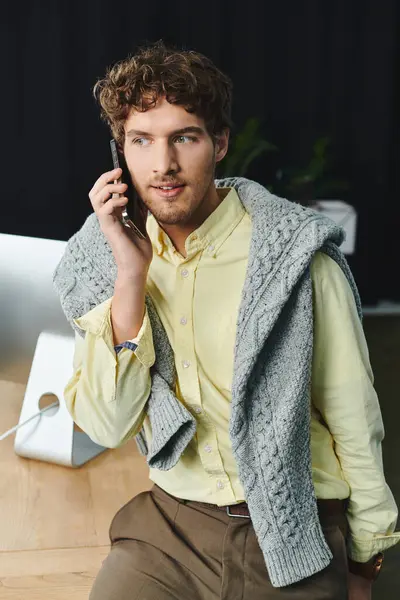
[[237, 516]]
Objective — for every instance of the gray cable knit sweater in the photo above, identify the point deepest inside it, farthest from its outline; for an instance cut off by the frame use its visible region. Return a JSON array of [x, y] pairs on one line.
[[270, 413]]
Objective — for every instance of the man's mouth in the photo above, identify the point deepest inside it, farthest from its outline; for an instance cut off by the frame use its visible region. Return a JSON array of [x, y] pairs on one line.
[[168, 187], [169, 191]]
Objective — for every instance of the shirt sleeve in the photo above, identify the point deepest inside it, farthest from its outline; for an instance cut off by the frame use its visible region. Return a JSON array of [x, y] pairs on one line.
[[107, 393], [344, 394]]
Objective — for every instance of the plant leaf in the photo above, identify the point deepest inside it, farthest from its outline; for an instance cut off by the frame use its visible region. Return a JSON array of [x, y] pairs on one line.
[[262, 146], [245, 147], [320, 146], [316, 167]]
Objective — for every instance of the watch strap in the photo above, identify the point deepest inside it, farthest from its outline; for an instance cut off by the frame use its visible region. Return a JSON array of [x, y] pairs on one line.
[[369, 570]]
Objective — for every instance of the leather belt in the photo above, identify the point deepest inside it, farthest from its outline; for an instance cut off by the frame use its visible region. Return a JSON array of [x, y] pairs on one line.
[[327, 507]]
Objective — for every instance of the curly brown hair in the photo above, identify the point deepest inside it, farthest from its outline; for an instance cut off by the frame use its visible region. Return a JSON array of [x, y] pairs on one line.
[[186, 78]]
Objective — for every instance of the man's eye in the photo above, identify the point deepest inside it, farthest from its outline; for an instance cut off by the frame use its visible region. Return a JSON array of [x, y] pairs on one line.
[[183, 139], [140, 141]]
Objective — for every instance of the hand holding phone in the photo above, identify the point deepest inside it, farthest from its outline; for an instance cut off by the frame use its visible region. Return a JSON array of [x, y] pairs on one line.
[[126, 220], [132, 251]]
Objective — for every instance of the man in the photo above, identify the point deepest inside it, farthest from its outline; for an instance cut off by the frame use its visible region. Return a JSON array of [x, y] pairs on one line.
[[229, 342]]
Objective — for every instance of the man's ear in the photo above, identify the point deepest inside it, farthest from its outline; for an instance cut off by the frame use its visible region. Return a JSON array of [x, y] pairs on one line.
[[221, 145]]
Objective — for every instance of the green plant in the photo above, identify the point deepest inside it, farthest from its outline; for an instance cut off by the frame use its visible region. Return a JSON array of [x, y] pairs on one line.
[[308, 184], [246, 146]]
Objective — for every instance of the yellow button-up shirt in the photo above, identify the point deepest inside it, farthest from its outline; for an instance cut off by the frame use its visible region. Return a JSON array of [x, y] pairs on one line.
[[197, 298]]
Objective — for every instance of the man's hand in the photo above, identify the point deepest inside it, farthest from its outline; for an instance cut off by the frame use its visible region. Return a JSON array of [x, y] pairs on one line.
[[359, 588], [132, 254]]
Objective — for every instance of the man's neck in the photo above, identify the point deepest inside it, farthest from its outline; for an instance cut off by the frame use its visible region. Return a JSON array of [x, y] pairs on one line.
[[179, 233]]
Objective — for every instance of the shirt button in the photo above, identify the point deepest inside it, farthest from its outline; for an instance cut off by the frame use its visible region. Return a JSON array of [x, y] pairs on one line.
[[197, 410], [211, 248], [185, 364], [220, 485], [208, 448], [183, 321], [184, 272]]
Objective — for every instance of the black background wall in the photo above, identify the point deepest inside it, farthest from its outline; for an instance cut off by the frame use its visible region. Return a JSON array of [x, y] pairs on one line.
[[306, 68]]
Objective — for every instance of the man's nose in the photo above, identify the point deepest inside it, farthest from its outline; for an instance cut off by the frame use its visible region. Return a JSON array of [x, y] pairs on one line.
[[165, 159]]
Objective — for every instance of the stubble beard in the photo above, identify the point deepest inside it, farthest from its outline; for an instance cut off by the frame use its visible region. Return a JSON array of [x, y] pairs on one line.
[[172, 212]]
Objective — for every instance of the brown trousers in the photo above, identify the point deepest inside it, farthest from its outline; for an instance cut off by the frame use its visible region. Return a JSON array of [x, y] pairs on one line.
[[163, 548]]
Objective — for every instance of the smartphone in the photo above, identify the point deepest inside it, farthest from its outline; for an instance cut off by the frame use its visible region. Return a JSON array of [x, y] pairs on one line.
[[126, 220]]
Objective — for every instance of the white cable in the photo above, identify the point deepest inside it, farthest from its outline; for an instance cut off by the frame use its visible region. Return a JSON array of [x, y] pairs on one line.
[[10, 431]]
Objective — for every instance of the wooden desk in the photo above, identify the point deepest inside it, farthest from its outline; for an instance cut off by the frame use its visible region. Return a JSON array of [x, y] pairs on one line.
[[54, 521]]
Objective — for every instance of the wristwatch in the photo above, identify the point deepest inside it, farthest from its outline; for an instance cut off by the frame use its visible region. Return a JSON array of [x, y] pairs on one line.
[[370, 570]]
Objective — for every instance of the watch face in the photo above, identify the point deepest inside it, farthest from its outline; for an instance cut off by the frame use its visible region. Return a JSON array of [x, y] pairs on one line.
[[378, 564]]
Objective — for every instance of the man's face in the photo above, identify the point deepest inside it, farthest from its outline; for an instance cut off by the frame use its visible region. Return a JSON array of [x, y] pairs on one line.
[[168, 147]]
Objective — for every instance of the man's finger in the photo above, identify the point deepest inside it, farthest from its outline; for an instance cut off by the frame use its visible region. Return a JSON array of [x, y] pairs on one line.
[[104, 179]]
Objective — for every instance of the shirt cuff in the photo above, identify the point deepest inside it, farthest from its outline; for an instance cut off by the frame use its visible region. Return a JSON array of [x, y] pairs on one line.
[[361, 550], [94, 320], [98, 322], [141, 345]]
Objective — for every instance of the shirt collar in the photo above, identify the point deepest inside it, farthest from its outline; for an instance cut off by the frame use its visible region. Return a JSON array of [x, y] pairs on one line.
[[211, 234]]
